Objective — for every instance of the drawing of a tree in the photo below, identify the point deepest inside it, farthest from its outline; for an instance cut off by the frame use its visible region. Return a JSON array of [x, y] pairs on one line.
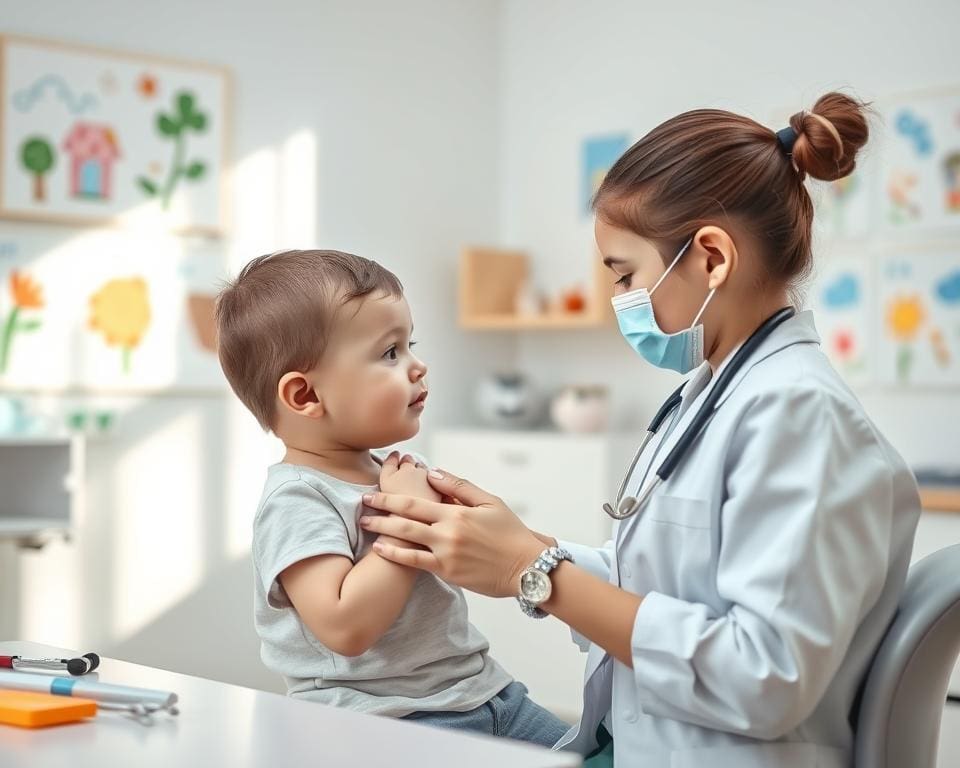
[[37, 157]]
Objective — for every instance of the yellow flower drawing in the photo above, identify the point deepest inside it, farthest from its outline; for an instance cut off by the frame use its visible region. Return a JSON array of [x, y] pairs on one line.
[[905, 315], [120, 310]]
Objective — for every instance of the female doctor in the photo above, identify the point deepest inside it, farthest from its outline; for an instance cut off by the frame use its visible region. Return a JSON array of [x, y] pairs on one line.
[[732, 617]]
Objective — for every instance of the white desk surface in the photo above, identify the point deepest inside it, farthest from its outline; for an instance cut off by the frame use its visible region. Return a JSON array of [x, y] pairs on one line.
[[226, 725]]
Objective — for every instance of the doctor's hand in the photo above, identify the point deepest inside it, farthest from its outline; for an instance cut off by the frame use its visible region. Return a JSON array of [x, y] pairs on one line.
[[477, 543]]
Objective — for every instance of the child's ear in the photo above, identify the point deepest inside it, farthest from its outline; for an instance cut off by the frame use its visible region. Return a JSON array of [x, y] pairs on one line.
[[721, 254], [299, 396]]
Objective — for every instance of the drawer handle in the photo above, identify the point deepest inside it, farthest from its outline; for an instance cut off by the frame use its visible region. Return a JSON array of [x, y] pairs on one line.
[[515, 458]]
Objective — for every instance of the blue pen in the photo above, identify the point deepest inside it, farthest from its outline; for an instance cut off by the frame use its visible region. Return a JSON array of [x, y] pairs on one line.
[[141, 700]]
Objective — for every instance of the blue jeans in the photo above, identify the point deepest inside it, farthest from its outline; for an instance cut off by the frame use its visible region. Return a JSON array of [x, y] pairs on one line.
[[510, 714]]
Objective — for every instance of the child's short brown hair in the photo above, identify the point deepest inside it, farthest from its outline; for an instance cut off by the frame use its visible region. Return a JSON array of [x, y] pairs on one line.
[[276, 317]]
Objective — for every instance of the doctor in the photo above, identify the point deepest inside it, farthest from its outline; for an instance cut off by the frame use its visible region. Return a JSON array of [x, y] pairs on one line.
[[732, 617]]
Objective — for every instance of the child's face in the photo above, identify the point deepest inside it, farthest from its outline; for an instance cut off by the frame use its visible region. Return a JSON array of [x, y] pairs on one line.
[[370, 383]]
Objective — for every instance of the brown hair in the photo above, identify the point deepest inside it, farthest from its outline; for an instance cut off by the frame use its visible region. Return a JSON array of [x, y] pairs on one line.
[[277, 315], [709, 165]]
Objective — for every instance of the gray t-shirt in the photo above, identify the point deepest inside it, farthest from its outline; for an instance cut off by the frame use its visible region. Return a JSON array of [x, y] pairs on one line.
[[432, 659]]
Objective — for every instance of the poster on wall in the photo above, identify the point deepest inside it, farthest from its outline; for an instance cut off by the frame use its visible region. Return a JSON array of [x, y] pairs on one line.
[[89, 136], [920, 180], [918, 317], [137, 317], [597, 156], [842, 300]]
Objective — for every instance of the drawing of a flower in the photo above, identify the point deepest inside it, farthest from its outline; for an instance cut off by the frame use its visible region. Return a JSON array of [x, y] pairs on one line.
[[27, 296], [844, 344], [905, 315], [27, 293], [120, 310]]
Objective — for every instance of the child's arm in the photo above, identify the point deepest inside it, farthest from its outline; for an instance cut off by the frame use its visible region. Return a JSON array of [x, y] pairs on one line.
[[348, 606]]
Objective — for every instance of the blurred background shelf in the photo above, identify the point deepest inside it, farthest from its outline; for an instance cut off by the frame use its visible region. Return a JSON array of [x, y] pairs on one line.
[[492, 279], [940, 498]]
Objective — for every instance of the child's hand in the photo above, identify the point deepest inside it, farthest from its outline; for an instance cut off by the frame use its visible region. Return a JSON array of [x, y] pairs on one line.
[[406, 477]]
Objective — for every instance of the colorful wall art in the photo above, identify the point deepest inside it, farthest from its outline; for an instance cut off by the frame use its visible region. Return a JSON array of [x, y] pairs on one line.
[[107, 311], [920, 179], [918, 318], [89, 136]]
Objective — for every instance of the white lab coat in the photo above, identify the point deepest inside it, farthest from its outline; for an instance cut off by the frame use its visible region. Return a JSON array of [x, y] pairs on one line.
[[770, 564]]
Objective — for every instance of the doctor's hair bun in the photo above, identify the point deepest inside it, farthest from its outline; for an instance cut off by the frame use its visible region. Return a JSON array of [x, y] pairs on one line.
[[829, 136]]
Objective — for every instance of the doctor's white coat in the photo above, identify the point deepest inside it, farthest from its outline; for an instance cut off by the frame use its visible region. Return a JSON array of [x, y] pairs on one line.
[[770, 564]]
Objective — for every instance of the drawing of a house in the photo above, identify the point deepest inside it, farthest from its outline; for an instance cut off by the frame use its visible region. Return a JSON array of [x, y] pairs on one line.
[[93, 150]]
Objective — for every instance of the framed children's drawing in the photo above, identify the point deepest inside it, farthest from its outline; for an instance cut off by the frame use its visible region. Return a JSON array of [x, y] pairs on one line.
[[921, 163], [90, 136]]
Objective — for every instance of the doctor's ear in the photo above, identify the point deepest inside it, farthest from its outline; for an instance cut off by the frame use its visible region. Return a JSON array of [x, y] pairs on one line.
[[299, 396], [722, 257]]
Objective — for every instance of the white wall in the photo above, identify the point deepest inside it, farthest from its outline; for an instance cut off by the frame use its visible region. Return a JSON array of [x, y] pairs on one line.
[[367, 126], [571, 69]]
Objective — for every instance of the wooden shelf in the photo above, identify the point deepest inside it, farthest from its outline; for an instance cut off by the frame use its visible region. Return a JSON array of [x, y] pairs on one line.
[[940, 499], [490, 279]]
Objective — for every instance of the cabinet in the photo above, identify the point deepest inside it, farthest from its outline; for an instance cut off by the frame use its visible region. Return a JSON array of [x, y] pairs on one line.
[[40, 484]]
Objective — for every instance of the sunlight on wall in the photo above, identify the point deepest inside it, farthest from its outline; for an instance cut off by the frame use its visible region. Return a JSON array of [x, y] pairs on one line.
[[298, 191], [160, 523], [256, 206]]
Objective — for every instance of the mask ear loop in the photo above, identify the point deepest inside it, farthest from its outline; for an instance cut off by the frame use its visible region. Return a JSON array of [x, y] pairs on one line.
[[703, 308], [670, 268]]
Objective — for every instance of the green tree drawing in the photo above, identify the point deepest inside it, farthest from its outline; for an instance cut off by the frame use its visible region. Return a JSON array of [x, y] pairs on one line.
[[37, 156], [186, 117]]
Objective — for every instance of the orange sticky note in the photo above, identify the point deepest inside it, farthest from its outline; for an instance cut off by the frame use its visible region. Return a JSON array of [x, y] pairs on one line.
[[34, 710]]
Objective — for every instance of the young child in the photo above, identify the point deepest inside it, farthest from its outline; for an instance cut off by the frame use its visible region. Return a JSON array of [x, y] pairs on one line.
[[317, 344]]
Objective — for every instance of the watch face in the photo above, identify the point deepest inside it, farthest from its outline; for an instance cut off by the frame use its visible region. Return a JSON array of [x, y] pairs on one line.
[[535, 586]]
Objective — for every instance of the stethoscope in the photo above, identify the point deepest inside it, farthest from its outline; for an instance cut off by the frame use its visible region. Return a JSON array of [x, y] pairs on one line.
[[628, 505]]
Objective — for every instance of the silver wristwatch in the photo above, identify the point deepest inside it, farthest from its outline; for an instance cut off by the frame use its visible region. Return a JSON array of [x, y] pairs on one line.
[[535, 583]]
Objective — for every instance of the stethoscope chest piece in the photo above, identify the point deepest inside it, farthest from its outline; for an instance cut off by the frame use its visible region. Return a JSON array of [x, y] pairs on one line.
[[626, 507]]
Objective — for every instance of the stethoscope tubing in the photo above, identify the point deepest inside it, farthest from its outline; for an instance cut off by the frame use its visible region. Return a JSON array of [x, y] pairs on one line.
[[628, 506]]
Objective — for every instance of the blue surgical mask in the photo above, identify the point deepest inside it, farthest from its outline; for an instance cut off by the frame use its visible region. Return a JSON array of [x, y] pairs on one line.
[[681, 351]]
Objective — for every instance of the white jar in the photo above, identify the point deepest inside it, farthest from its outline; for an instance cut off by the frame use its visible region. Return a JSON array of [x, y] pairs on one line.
[[581, 409]]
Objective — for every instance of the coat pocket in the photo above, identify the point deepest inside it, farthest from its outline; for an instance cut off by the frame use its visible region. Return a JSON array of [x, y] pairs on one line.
[[679, 511]]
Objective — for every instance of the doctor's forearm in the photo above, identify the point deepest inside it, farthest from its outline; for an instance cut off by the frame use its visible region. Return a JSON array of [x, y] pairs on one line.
[[596, 609]]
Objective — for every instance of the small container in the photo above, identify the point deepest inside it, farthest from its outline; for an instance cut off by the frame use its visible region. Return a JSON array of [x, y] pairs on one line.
[[581, 409], [508, 400]]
